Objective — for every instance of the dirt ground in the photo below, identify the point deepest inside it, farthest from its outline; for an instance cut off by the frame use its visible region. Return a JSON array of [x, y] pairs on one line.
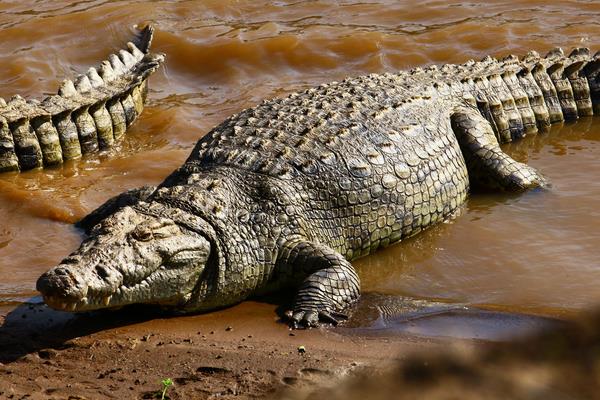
[[241, 352], [247, 352], [559, 363]]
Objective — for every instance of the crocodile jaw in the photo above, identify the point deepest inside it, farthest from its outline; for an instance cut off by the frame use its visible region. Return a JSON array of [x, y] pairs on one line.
[[130, 258]]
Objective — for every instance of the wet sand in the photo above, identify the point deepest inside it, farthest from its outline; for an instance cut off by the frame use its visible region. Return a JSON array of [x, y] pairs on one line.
[[241, 352], [245, 351]]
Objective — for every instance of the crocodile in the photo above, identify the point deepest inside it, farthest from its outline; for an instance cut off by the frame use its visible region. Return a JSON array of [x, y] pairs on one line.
[[284, 195], [87, 115]]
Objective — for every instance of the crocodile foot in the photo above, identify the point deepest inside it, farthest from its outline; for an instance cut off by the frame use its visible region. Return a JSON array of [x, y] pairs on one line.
[[526, 177], [312, 318]]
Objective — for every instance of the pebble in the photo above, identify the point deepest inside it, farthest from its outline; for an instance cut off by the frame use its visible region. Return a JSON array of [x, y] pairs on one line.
[[289, 380], [29, 358]]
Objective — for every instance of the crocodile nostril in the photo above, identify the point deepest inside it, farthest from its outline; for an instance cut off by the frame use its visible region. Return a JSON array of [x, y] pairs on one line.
[[102, 272], [62, 271], [71, 260], [62, 283]]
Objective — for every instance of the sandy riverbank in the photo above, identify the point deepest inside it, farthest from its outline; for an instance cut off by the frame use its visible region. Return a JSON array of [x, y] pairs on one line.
[[241, 352]]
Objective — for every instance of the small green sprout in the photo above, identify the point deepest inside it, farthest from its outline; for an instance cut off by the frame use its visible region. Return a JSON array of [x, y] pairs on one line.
[[166, 383]]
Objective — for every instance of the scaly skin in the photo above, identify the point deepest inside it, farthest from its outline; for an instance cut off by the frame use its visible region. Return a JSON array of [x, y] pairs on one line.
[[86, 116], [287, 193]]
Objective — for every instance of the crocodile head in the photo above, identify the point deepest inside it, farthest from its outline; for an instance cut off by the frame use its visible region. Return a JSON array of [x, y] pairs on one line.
[[129, 258]]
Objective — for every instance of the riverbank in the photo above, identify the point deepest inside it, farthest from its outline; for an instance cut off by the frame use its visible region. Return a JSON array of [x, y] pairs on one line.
[[241, 352]]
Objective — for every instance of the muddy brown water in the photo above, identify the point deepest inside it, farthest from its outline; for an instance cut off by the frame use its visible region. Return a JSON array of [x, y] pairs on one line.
[[535, 253]]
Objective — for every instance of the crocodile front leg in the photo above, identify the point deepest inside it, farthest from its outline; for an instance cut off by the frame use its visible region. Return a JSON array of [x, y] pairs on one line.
[[487, 164], [329, 286]]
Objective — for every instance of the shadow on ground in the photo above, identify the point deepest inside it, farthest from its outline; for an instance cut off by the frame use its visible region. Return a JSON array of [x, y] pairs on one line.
[[31, 327]]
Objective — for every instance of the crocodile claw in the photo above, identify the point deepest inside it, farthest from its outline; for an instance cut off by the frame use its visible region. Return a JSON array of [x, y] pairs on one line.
[[313, 319], [526, 177]]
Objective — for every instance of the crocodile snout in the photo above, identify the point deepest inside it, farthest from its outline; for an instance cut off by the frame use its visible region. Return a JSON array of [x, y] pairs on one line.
[[61, 288], [71, 287]]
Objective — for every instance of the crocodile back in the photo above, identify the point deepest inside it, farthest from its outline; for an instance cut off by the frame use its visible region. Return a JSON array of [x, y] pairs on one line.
[[365, 161]]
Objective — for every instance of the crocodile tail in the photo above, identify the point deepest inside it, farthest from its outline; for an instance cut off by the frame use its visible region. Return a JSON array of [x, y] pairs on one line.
[[143, 39], [519, 96], [88, 114]]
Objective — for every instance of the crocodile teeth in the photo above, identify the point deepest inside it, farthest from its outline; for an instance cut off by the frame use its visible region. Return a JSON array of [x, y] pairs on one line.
[[72, 306], [106, 300]]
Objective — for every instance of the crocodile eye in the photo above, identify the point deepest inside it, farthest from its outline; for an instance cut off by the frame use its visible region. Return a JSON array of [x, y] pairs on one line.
[[143, 235], [165, 231]]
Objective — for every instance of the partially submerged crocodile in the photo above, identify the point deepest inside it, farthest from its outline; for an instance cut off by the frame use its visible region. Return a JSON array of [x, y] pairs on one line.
[[285, 194], [84, 117]]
